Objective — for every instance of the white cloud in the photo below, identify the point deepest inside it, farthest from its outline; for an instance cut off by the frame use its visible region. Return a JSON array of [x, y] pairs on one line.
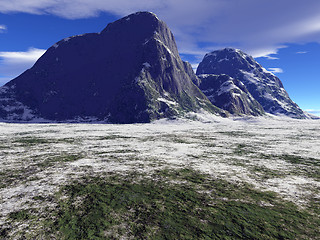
[[4, 80], [302, 52], [275, 70], [14, 63], [3, 28], [271, 57], [313, 111], [257, 27], [194, 66], [29, 56]]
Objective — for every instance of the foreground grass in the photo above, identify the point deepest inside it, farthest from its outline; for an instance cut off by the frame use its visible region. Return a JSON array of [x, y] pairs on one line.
[[170, 204]]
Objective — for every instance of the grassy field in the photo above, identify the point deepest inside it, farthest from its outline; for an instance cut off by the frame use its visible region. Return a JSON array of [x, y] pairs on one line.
[[211, 179]]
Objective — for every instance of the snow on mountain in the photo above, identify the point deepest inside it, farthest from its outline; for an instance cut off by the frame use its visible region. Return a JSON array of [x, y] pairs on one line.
[[229, 94], [263, 85]]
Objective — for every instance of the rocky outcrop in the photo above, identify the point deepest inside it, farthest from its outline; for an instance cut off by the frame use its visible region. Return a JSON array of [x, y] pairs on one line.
[[229, 94]]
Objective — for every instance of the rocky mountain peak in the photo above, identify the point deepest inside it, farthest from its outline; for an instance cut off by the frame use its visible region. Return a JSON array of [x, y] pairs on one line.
[[229, 60], [264, 86], [141, 27], [129, 72]]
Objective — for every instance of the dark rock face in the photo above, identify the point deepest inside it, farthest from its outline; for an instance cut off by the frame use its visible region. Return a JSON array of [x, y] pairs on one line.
[[130, 72], [229, 94], [265, 87]]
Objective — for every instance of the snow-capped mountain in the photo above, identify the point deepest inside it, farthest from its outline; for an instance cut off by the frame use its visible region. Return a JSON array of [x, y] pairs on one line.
[[264, 86], [229, 94], [129, 72]]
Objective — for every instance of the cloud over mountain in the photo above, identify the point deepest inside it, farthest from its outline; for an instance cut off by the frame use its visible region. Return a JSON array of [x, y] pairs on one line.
[[275, 70], [313, 111], [201, 26], [14, 63]]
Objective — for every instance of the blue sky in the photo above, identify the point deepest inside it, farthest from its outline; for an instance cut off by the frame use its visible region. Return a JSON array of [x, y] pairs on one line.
[[284, 36]]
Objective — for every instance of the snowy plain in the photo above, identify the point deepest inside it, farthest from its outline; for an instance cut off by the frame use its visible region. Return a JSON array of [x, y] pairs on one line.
[[271, 153]]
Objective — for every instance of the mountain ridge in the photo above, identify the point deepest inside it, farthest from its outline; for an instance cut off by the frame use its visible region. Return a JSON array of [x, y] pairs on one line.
[[129, 72]]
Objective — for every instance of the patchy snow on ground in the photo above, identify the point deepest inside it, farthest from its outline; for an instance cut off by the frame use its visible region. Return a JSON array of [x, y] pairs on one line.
[[271, 153]]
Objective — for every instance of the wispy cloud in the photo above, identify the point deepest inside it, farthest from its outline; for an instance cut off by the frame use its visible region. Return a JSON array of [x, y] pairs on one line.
[[275, 70], [303, 52], [29, 56], [14, 63], [194, 66], [217, 22], [3, 28], [4, 80], [270, 57], [313, 111]]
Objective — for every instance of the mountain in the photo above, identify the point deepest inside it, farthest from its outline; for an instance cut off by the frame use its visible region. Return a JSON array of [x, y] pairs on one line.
[[264, 86], [229, 94], [129, 72]]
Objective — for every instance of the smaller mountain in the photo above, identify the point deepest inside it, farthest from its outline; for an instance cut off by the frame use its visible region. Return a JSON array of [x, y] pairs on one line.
[[229, 94], [264, 86]]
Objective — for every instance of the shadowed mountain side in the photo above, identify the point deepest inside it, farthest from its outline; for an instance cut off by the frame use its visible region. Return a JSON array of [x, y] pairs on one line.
[[130, 72]]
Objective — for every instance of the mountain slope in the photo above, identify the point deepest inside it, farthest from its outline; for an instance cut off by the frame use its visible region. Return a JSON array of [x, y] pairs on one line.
[[265, 87], [229, 94], [130, 72]]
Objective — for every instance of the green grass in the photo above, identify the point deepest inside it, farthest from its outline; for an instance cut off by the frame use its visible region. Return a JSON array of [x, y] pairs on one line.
[[31, 141], [168, 137], [8, 177], [63, 158], [120, 151], [237, 134], [293, 159], [241, 149], [175, 204], [266, 173], [36, 165], [300, 160], [21, 215], [307, 167], [113, 136]]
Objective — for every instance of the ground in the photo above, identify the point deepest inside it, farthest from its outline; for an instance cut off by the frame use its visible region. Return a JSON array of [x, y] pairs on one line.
[[205, 178]]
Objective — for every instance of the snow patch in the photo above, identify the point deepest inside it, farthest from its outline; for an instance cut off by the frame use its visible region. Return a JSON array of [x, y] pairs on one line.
[[4, 89], [165, 46], [208, 145], [211, 54], [155, 16], [224, 59], [269, 96], [146, 65], [167, 101], [67, 39], [206, 75], [266, 71], [250, 76], [226, 87]]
